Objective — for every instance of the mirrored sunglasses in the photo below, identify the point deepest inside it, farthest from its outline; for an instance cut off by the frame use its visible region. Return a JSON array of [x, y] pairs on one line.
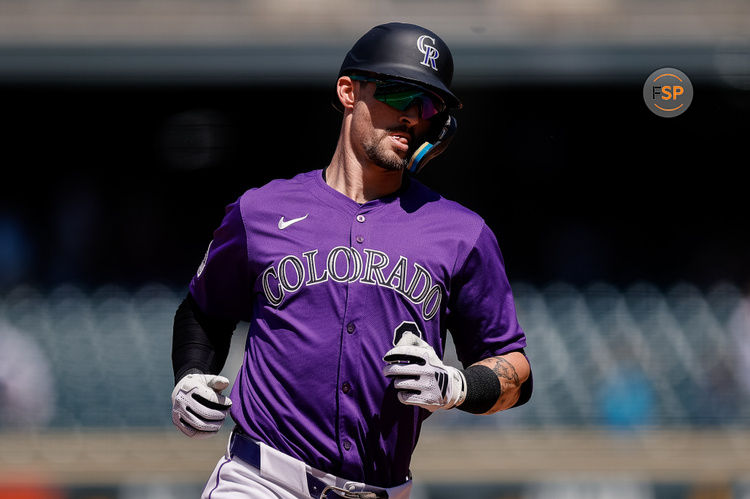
[[401, 96]]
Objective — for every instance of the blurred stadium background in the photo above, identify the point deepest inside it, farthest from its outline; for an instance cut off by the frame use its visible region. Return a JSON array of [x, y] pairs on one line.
[[128, 126]]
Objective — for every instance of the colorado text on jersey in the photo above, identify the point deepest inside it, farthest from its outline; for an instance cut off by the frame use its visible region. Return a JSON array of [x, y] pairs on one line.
[[347, 265]]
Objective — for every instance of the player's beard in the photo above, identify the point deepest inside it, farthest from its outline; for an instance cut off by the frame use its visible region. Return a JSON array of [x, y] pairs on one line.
[[382, 154]]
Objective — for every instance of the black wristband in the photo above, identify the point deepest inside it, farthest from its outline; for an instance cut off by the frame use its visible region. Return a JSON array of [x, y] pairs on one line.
[[482, 390]]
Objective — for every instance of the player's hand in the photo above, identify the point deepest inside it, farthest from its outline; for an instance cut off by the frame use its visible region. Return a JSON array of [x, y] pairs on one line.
[[420, 376], [198, 407]]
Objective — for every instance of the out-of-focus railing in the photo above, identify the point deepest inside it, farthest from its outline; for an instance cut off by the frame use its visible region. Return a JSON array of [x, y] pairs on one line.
[[602, 357], [635, 357], [108, 351]]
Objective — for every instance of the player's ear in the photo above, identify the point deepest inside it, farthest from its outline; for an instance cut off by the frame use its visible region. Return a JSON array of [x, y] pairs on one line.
[[345, 88]]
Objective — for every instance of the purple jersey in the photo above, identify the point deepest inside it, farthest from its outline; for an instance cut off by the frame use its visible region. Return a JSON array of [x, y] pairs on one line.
[[328, 285]]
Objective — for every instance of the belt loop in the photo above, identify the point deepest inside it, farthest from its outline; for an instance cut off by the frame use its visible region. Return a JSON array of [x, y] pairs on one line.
[[230, 441], [232, 437]]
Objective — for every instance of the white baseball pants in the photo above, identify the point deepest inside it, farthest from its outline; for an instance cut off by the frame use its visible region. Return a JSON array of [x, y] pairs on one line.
[[282, 477]]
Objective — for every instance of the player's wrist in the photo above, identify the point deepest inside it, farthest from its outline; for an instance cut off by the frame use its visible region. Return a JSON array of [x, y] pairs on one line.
[[458, 388], [181, 374], [483, 389]]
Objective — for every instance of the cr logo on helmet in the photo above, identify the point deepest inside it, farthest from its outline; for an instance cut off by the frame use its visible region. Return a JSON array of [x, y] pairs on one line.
[[430, 52]]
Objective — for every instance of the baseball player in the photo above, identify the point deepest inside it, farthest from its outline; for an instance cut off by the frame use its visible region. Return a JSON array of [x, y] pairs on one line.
[[350, 277]]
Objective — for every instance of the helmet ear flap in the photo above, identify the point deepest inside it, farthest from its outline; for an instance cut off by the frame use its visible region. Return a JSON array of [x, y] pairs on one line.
[[438, 141]]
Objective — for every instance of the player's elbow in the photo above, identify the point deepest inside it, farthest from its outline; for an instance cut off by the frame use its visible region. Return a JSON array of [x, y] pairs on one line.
[[513, 370]]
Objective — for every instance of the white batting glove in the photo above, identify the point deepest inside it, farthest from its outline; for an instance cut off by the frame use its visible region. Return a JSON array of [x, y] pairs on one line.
[[420, 376], [198, 407]]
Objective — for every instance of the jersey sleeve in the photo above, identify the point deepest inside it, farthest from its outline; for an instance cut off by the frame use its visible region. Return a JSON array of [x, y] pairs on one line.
[[482, 314], [223, 284]]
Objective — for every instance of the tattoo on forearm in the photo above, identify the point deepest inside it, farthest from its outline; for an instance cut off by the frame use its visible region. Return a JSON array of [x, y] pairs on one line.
[[505, 371]]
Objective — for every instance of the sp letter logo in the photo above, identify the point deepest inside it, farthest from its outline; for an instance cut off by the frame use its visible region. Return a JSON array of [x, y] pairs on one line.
[[668, 92], [430, 52]]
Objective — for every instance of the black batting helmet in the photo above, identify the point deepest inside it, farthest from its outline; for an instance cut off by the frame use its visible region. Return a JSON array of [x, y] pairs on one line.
[[407, 52]]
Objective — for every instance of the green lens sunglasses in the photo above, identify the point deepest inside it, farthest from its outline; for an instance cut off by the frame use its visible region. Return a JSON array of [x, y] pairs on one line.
[[401, 96]]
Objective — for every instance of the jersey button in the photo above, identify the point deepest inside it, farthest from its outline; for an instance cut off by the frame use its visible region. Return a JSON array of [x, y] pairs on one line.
[[346, 388], [347, 445], [360, 239], [350, 328], [360, 218]]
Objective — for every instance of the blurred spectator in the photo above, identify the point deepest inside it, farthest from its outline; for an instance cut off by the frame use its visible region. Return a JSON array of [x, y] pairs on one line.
[[27, 397], [626, 396], [711, 491], [77, 231], [15, 252]]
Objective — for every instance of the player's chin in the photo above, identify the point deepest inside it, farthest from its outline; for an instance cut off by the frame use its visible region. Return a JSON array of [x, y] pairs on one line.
[[396, 164], [389, 159]]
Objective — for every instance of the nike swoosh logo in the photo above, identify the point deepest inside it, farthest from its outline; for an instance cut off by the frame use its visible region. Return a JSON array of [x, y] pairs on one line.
[[283, 224]]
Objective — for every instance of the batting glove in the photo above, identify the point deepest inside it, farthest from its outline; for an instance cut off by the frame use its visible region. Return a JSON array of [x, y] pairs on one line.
[[198, 407], [420, 376]]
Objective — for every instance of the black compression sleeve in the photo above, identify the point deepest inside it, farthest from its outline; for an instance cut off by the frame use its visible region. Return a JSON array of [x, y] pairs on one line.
[[200, 343]]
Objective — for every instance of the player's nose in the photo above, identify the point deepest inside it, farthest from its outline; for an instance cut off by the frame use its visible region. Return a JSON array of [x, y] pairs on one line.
[[411, 115]]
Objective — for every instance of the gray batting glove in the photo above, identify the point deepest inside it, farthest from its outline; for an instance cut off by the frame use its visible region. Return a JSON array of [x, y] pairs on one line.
[[420, 376], [198, 407]]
